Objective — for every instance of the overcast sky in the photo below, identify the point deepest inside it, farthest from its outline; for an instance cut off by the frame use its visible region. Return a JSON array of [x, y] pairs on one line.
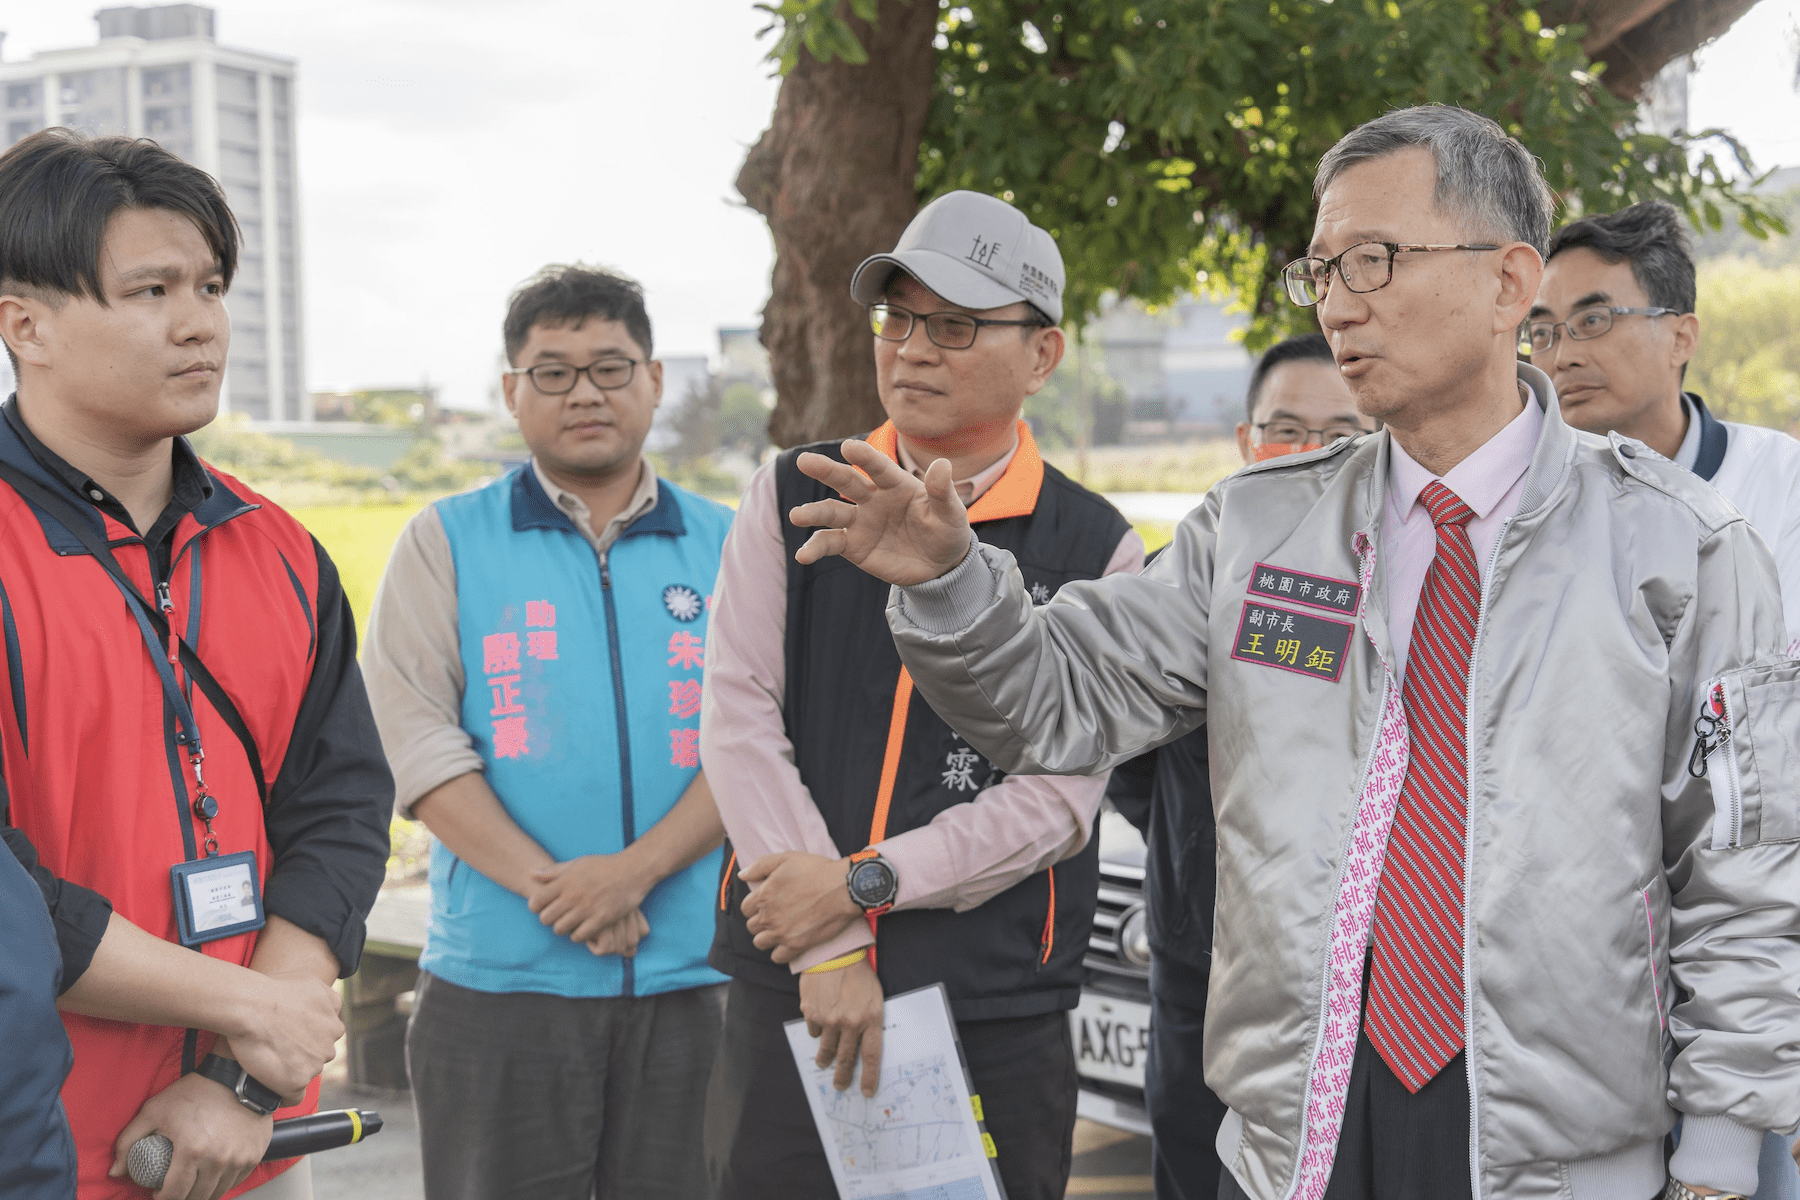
[[448, 148]]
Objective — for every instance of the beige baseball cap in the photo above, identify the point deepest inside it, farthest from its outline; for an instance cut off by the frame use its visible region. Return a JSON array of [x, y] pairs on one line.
[[974, 250]]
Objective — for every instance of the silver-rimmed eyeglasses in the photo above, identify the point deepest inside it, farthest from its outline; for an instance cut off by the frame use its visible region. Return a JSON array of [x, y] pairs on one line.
[[558, 379], [1364, 267], [1585, 323]]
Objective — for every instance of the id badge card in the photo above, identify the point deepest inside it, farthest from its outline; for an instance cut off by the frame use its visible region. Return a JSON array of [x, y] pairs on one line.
[[216, 897]]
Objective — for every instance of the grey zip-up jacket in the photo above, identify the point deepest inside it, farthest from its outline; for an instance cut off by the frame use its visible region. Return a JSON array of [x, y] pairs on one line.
[[1632, 940]]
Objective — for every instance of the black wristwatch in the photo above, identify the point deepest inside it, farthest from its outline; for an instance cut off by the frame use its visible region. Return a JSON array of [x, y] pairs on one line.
[[872, 882], [257, 1097]]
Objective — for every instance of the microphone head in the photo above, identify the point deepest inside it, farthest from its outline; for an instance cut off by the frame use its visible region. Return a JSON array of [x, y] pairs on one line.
[[148, 1160]]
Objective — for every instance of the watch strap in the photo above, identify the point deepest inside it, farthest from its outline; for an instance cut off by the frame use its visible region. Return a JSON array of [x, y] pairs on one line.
[[856, 860], [1678, 1190], [250, 1092]]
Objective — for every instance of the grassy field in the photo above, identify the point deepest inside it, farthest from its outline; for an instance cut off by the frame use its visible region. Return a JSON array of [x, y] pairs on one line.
[[1158, 467], [359, 539]]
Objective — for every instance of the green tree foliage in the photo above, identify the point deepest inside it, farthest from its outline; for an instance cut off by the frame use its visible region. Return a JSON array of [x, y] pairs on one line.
[[1748, 367], [1169, 144], [1733, 242]]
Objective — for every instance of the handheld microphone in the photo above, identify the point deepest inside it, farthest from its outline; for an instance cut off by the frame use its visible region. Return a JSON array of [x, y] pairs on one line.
[[149, 1157]]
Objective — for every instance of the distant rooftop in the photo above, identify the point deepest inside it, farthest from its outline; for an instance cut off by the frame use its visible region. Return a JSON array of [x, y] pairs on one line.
[[156, 23]]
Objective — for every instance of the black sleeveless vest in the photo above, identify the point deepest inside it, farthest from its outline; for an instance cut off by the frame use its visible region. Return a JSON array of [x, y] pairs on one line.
[[1018, 954]]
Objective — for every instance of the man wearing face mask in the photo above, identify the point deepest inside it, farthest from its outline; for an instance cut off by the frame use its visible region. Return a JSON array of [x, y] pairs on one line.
[[1523, 891], [1297, 401]]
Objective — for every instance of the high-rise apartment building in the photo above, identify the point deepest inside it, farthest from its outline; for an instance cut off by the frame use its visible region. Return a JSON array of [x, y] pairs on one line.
[[158, 73]]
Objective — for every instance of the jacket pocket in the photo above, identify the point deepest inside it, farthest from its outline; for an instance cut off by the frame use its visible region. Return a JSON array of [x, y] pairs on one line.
[[1748, 749]]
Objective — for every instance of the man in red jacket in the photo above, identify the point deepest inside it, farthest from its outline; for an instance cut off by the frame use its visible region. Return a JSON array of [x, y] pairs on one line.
[[186, 739]]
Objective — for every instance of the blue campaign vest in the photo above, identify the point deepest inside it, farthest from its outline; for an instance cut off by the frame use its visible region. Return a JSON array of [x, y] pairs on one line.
[[582, 695]]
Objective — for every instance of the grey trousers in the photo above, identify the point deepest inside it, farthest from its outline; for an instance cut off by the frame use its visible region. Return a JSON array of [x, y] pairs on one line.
[[539, 1097]]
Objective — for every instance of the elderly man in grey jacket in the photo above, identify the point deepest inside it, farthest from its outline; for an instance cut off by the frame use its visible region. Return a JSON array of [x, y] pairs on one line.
[[1506, 752]]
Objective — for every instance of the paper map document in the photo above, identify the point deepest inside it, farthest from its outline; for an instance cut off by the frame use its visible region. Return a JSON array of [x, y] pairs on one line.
[[919, 1137]]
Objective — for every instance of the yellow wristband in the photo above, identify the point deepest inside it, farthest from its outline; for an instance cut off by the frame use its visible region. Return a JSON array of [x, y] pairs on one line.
[[837, 964]]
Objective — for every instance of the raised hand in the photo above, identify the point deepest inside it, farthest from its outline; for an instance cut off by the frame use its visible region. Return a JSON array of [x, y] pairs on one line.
[[897, 528]]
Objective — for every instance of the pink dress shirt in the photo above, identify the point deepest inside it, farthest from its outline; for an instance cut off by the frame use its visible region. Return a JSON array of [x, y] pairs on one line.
[[1491, 481], [969, 853]]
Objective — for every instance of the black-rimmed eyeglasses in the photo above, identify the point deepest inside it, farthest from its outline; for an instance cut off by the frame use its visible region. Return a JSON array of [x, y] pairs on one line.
[[950, 330], [1364, 267], [1293, 433], [1585, 323], [559, 379]]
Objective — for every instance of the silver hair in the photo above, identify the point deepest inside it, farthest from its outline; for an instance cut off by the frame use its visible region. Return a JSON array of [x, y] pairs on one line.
[[1483, 176]]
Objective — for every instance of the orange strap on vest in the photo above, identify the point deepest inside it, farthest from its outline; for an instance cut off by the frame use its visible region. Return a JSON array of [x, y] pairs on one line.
[[884, 794], [1014, 494]]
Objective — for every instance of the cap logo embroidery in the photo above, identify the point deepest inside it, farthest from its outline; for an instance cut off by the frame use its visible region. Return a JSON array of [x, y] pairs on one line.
[[982, 254]]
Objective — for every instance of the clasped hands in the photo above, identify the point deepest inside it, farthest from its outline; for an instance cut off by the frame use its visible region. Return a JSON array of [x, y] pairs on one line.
[[283, 1034], [797, 901], [593, 900], [800, 901]]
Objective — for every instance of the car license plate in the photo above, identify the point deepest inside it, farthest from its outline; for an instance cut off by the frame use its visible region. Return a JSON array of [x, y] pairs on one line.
[[1112, 1038]]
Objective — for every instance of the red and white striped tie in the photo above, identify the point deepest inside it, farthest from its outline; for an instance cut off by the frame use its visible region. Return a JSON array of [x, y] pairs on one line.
[[1415, 1010]]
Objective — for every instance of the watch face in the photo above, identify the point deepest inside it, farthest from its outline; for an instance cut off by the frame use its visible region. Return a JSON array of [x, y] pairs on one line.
[[872, 883]]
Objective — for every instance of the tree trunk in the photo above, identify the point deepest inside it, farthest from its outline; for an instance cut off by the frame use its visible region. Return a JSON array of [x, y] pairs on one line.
[[1638, 38], [834, 174]]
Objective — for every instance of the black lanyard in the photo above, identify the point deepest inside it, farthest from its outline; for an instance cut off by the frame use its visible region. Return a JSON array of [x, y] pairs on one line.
[[188, 737], [156, 628]]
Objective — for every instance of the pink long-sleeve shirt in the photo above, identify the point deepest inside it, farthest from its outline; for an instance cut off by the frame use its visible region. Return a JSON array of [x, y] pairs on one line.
[[1491, 481], [969, 853]]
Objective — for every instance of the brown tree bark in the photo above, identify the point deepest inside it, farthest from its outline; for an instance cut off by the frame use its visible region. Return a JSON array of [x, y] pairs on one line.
[[834, 174], [1637, 38]]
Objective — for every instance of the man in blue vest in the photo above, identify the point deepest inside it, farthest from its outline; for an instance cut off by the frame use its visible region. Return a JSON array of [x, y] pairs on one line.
[[535, 660]]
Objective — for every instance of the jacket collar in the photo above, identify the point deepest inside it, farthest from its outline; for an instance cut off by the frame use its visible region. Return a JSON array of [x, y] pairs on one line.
[[1014, 494], [218, 502], [1549, 460], [532, 508], [1556, 441], [1714, 438]]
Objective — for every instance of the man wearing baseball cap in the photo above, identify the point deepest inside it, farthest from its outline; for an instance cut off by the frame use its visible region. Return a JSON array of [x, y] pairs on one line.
[[876, 852]]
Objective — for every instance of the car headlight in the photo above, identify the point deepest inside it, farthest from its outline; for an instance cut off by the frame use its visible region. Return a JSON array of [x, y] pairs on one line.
[[1134, 936]]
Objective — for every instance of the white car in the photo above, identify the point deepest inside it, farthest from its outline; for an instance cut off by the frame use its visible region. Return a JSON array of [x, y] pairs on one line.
[[1111, 1024]]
